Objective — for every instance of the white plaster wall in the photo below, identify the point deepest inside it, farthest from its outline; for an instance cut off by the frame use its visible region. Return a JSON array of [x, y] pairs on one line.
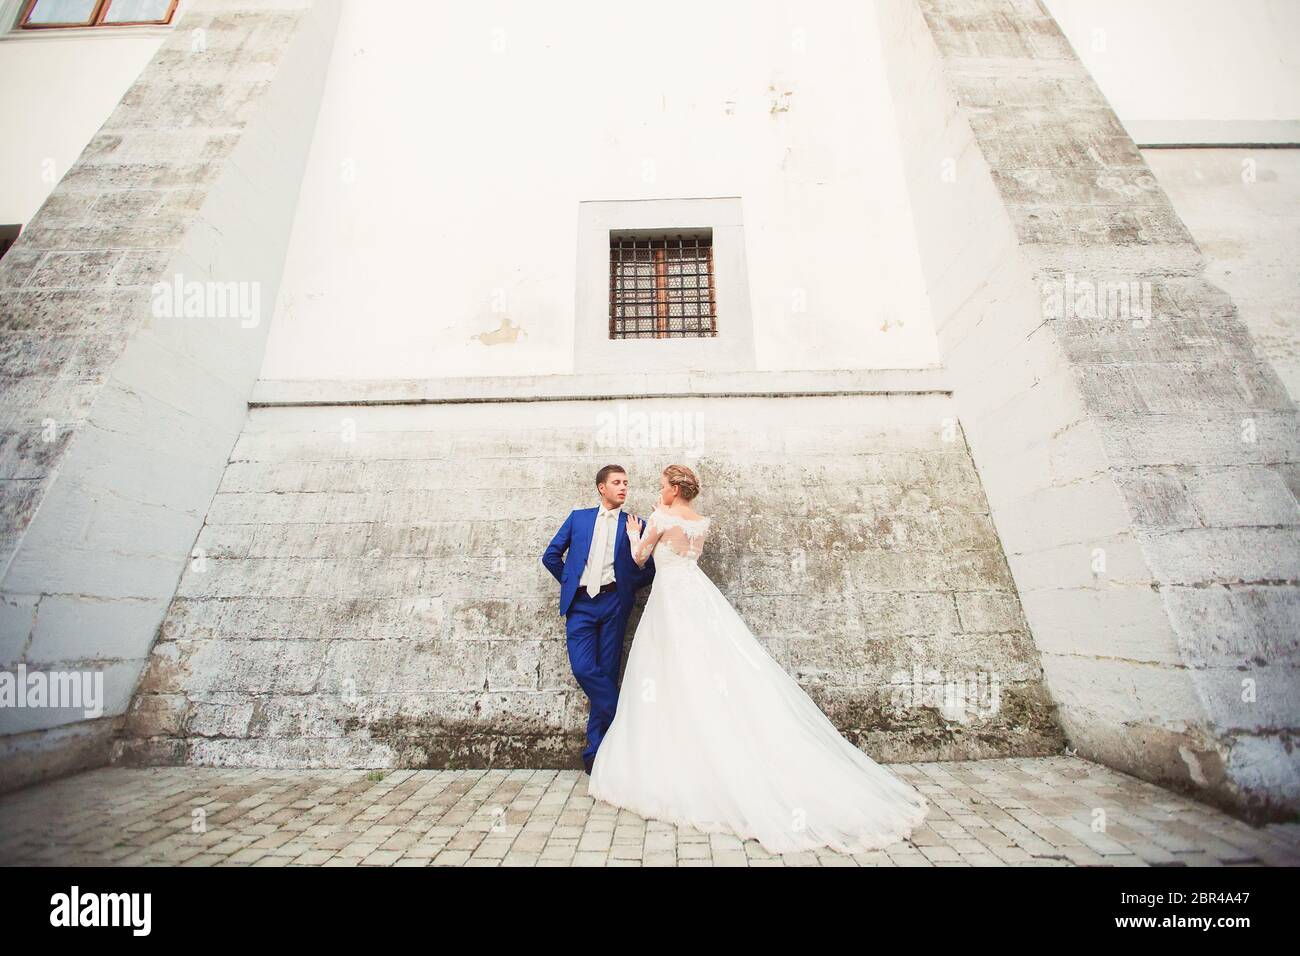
[[1242, 207], [56, 91], [1192, 71], [441, 200]]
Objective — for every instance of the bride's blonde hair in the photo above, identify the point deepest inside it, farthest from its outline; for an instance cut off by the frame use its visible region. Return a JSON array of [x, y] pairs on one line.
[[688, 486]]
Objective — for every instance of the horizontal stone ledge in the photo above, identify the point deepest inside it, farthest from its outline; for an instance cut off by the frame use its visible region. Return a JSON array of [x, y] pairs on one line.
[[560, 388]]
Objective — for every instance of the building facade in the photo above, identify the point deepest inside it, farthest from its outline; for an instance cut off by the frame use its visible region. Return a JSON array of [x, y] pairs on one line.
[[318, 324]]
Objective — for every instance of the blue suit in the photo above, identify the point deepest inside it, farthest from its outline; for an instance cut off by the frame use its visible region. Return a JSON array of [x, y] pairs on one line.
[[595, 626]]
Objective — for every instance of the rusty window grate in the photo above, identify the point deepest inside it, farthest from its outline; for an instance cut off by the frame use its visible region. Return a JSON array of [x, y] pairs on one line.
[[662, 288]]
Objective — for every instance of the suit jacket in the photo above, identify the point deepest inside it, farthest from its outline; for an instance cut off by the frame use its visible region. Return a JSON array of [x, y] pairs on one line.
[[574, 537]]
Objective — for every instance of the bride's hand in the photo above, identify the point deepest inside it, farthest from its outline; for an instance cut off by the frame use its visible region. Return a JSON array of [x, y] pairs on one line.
[[633, 526]]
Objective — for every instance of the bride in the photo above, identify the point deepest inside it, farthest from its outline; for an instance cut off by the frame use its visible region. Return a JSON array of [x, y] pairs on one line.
[[710, 732]]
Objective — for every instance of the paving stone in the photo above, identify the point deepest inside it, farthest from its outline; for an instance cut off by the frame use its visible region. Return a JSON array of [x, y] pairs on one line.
[[130, 816]]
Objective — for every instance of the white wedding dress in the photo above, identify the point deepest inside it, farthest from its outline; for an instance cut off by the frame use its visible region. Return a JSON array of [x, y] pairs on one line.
[[711, 732]]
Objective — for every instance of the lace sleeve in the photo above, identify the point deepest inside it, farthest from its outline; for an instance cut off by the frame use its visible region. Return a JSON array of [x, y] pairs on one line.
[[643, 544], [683, 536]]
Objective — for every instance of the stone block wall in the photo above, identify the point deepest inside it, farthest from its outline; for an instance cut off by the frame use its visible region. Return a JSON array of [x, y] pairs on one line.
[[1139, 455], [119, 416], [369, 590]]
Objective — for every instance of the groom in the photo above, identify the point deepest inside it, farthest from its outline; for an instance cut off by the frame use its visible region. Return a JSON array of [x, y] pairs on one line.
[[598, 584]]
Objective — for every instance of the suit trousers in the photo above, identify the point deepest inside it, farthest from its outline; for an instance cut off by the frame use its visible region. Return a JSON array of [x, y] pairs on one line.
[[595, 629]]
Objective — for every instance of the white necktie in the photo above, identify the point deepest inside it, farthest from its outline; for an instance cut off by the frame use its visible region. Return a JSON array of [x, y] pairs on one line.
[[598, 551]]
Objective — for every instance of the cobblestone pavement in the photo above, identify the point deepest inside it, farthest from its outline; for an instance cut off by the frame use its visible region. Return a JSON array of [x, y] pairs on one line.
[[1032, 811]]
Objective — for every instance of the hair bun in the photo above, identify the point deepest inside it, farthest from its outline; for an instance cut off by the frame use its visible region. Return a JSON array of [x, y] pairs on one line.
[[684, 480]]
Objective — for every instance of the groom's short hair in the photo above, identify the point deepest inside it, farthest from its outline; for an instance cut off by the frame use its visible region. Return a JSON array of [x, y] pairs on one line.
[[605, 472]]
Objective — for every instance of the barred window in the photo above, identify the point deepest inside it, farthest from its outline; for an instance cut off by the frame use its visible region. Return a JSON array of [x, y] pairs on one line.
[[52, 14], [661, 287]]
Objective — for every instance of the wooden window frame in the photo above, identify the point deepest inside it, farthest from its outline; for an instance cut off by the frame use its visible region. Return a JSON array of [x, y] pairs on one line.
[[95, 20]]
